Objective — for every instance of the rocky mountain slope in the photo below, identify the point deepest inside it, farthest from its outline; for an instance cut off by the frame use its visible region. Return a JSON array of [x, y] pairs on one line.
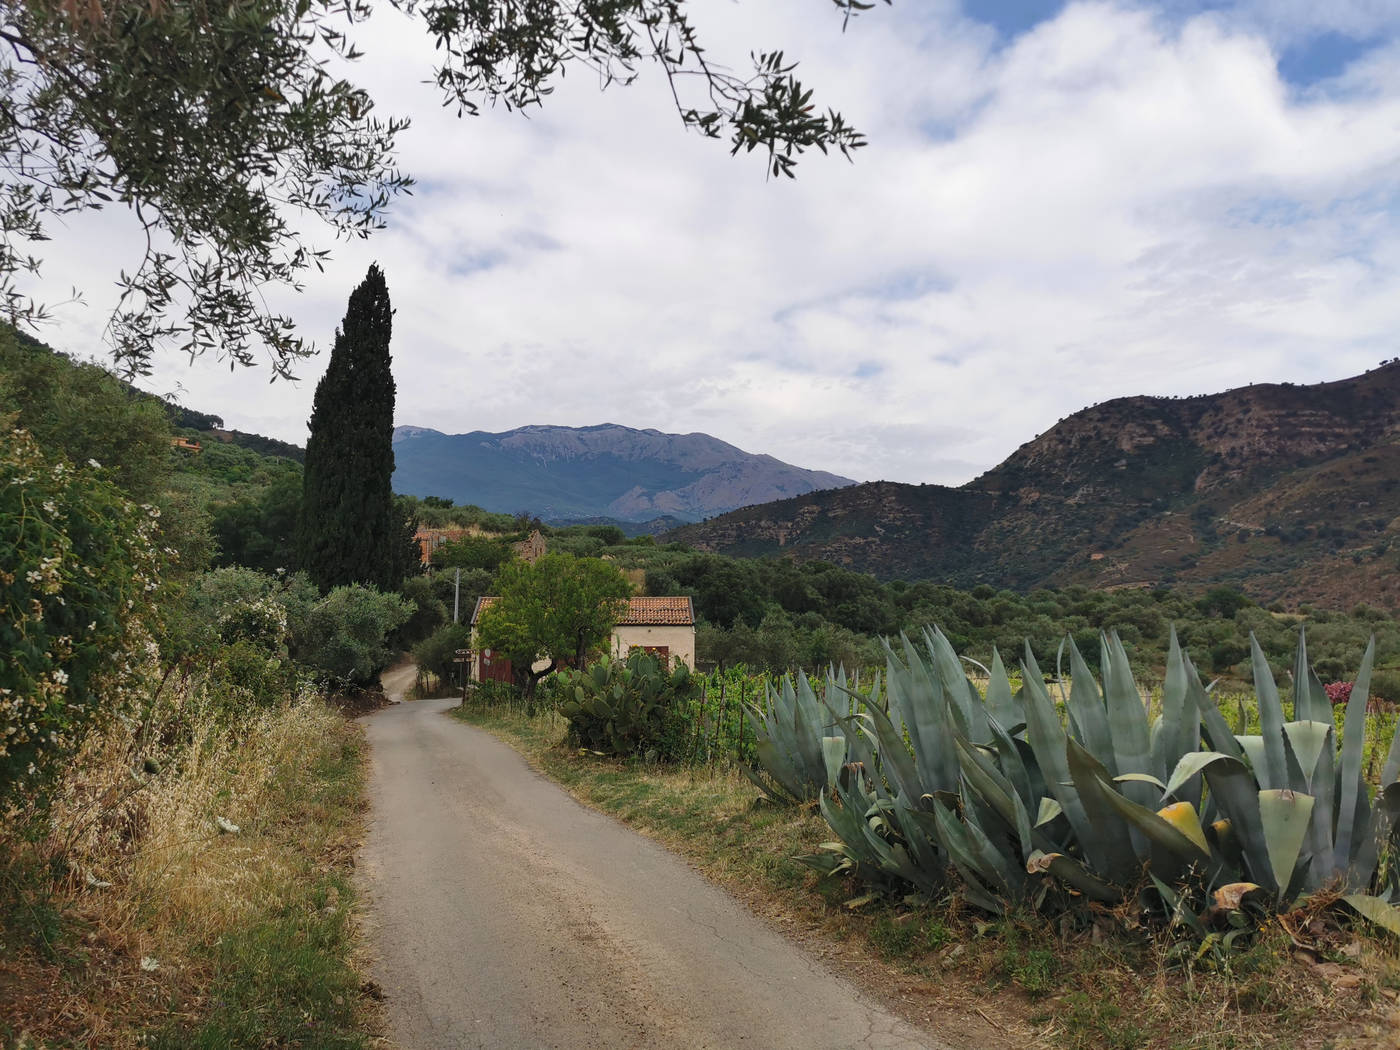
[[1290, 492], [607, 471]]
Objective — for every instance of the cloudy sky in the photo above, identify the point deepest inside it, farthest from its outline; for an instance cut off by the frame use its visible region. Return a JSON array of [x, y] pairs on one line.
[[1060, 204]]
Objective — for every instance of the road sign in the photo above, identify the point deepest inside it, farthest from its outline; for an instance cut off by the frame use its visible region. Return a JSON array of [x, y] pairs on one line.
[[464, 652]]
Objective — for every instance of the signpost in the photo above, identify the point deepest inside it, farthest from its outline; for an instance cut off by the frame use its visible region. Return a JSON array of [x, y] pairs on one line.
[[464, 657]]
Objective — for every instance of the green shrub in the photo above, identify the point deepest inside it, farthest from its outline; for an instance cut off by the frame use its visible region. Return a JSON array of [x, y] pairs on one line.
[[345, 637], [246, 675], [627, 707], [437, 653], [1385, 685], [77, 560], [497, 694], [429, 612]]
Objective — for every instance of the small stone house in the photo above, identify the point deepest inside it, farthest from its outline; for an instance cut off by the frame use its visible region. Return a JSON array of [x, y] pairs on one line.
[[664, 626]]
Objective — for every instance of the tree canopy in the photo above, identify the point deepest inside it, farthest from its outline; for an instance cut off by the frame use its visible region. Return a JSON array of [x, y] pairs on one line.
[[560, 607], [220, 124], [350, 530]]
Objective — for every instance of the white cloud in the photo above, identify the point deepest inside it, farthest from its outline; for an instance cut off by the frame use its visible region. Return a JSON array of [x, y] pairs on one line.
[[1114, 203]]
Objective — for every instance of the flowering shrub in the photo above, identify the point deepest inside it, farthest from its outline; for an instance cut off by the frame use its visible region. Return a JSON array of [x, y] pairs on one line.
[[261, 621], [76, 560], [1338, 692]]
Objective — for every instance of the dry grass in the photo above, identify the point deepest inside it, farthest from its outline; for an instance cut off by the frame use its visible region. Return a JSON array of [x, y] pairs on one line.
[[126, 900], [976, 981]]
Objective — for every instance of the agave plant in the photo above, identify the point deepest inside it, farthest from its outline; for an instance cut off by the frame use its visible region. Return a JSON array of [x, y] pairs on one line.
[[799, 747], [1002, 790]]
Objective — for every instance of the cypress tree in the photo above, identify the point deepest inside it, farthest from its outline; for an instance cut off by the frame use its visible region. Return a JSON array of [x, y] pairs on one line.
[[349, 530]]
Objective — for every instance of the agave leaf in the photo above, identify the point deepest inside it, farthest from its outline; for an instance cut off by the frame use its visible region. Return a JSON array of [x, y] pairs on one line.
[[1048, 740], [970, 713], [1253, 747], [1353, 808], [972, 854], [926, 851], [1272, 769], [1109, 823], [919, 701], [1189, 767], [1227, 844], [1310, 701], [1013, 764], [986, 780], [1000, 704], [1086, 708], [1391, 771], [1180, 730], [1156, 828], [769, 787], [895, 759], [1384, 814], [1140, 778], [1285, 816], [1069, 870], [1307, 740], [1236, 795], [809, 725], [1375, 910], [1049, 810], [780, 769], [1183, 817], [834, 753], [1219, 737], [1127, 719]]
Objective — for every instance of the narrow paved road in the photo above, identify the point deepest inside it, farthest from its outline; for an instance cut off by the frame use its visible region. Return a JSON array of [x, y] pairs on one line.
[[505, 915]]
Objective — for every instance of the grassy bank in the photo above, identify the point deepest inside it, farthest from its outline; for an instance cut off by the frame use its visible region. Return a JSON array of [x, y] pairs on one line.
[[1305, 982], [202, 902]]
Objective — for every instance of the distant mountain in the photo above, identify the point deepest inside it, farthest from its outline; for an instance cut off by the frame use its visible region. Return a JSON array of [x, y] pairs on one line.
[[1289, 492], [605, 471]]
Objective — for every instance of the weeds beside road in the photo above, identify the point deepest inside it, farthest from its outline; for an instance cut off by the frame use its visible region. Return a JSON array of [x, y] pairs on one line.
[[133, 917]]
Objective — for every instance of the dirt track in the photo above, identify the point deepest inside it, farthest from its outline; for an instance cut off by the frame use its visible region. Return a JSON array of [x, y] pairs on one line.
[[505, 915]]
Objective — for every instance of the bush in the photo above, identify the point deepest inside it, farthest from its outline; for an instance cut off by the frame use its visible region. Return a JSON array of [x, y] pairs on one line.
[[497, 694], [437, 653], [76, 561], [429, 612], [627, 707], [1385, 685], [345, 638], [232, 604]]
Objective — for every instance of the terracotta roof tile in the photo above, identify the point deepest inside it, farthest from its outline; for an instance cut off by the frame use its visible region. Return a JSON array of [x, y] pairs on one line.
[[659, 611]]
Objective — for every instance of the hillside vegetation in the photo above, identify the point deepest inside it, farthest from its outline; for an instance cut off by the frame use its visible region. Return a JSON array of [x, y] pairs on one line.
[[1290, 493]]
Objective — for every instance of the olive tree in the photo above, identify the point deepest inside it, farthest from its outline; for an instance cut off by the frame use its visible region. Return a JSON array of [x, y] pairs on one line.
[[220, 124]]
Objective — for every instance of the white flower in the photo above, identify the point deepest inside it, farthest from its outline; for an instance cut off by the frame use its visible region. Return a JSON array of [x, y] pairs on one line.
[[61, 677], [94, 463]]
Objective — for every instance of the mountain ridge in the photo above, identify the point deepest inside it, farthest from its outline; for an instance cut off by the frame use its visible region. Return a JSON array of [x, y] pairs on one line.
[[1137, 491], [604, 470]]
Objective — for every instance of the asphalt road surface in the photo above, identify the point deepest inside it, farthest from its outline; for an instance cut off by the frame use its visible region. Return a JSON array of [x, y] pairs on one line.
[[503, 914]]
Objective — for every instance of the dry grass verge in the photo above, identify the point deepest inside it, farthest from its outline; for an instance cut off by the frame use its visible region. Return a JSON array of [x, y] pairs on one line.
[[980, 982], [201, 900]]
